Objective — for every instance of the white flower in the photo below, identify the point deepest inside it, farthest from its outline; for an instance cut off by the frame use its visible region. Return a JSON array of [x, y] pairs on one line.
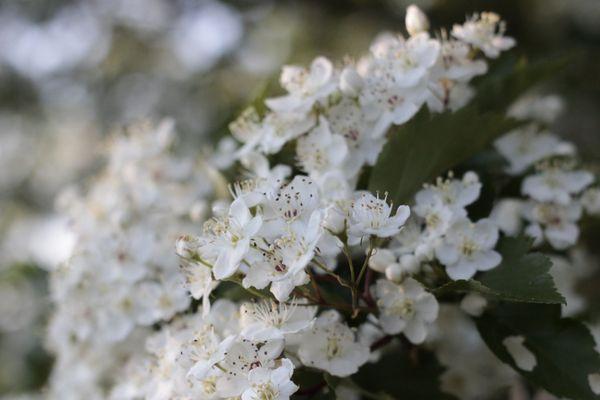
[[450, 75], [591, 201], [555, 222], [336, 191], [538, 108], [269, 320], [161, 301], [405, 308], [455, 63], [370, 215], [271, 384], [347, 119], [321, 151], [351, 83], [437, 215], [395, 79], [522, 356], [305, 87], [454, 193], [406, 60], [263, 181], [229, 239], [281, 128], [468, 248], [199, 282], [235, 359], [412, 241], [332, 346], [297, 200], [282, 262], [523, 147], [225, 153], [484, 31], [198, 277], [506, 214], [416, 21], [556, 185], [248, 129]]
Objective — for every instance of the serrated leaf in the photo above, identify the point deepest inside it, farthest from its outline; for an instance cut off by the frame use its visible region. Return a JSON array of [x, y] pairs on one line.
[[430, 144], [397, 375], [520, 277], [563, 348]]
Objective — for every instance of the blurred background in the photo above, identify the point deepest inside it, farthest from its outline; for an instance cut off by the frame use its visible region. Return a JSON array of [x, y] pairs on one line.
[[73, 71]]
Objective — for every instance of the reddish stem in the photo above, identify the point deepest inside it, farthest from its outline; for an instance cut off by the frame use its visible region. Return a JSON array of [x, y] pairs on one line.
[[366, 294], [381, 342]]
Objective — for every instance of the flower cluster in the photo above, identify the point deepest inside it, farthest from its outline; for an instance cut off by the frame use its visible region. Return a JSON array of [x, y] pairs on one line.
[[552, 184], [122, 276], [292, 226], [301, 270], [544, 166], [440, 232], [337, 117]]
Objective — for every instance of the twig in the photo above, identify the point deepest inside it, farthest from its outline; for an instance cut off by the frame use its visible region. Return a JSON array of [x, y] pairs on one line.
[[315, 286], [381, 342]]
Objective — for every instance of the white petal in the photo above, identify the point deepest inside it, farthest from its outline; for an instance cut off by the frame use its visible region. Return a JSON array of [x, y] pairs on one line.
[[415, 331], [522, 356]]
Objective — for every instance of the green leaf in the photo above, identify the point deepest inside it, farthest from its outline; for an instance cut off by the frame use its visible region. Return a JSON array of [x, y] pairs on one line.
[[520, 277], [511, 76], [563, 348], [398, 375], [314, 385], [331, 381], [430, 143]]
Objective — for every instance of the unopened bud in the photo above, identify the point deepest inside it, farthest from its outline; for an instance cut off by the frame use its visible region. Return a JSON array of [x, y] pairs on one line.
[[394, 272], [186, 246], [381, 259], [416, 20]]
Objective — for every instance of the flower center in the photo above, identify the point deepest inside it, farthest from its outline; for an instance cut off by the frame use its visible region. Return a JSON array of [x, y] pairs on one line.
[[333, 347], [265, 391], [469, 247]]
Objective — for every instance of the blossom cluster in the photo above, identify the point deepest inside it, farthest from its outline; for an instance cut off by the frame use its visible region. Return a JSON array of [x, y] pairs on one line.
[[440, 231], [552, 194], [122, 276], [293, 224], [553, 185], [310, 272]]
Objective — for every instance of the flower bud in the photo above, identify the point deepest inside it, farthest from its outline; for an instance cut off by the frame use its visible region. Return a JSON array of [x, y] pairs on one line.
[[381, 259], [186, 246], [394, 272], [416, 21]]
